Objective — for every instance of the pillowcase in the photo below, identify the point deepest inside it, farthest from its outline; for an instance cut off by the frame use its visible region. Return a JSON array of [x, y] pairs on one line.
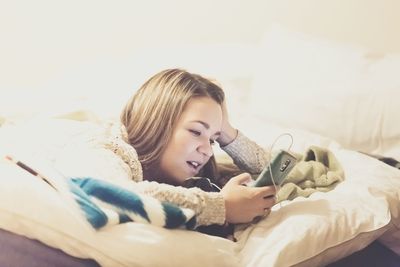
[[336, 90], [325, 227]]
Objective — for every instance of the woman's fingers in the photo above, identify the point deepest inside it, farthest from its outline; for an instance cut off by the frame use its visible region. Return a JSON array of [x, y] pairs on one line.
[[243, 203], [267, 191], [266, 202], [269, 202], [267, 212]]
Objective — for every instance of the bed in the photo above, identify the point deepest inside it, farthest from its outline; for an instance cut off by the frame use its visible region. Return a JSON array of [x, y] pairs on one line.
[[326, 94], [17, 250]]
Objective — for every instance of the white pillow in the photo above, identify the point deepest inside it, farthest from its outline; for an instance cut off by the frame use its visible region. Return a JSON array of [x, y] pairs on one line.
[[325, 227], [366, 204], [333, 89], [42, 214]]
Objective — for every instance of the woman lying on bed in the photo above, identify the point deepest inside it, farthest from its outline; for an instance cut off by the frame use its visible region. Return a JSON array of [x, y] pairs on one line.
[[170, 125]]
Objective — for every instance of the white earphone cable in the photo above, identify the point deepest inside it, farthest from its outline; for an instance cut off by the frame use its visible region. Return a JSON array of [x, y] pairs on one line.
[[270, 155]]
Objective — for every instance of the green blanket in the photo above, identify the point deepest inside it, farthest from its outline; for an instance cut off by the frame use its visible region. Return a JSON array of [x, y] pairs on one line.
[[317, 170]]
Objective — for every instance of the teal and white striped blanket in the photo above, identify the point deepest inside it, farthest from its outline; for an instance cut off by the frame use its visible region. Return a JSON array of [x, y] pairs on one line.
[[103, 203]]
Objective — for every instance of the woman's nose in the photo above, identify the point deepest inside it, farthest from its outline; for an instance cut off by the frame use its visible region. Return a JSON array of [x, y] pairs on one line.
[[206, 149]]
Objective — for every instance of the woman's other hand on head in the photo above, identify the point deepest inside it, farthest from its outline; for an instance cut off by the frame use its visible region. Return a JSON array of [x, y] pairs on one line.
[[244, 203], [228, 133]]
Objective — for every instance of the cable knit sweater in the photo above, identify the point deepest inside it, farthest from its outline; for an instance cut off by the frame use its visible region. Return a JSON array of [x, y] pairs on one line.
[[209, 207]]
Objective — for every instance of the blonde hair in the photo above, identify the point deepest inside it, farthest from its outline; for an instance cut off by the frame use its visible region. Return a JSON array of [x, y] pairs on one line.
[[151, 114]]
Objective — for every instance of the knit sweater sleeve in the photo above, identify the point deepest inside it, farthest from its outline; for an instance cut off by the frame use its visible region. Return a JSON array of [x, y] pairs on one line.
[[246, 154], [209, 207]]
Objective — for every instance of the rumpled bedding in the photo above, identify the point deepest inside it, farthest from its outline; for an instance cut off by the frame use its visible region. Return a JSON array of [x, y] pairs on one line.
[[310, 231], [317, 170], [32, 208], [101, 202]]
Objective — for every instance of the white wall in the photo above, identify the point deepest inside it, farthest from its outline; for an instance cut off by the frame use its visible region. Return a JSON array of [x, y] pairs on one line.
[[57, 49]]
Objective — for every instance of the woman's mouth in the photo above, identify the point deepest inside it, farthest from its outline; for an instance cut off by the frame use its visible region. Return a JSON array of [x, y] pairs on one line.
[[194, 165]]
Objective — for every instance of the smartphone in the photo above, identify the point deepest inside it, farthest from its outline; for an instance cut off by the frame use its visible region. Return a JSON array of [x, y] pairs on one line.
[[279, 167]]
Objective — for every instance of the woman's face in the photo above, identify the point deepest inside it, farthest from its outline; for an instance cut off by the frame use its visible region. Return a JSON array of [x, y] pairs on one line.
[[189, 148]]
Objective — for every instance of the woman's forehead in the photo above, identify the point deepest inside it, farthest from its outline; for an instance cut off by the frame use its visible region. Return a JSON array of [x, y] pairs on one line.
[[204, 110]]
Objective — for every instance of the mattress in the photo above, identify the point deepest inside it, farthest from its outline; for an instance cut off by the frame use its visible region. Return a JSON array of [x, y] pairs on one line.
[[17, 250], [373, 255]]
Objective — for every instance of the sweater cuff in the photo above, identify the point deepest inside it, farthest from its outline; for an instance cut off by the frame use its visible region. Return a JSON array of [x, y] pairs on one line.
[[234, 146], [246, 154], [214, 210]]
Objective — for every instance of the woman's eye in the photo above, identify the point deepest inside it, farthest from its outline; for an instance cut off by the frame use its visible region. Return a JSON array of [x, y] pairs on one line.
[[212, 142], [194, 132]]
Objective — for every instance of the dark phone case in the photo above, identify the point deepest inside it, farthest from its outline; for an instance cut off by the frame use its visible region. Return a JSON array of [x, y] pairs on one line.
[[280, 165]]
